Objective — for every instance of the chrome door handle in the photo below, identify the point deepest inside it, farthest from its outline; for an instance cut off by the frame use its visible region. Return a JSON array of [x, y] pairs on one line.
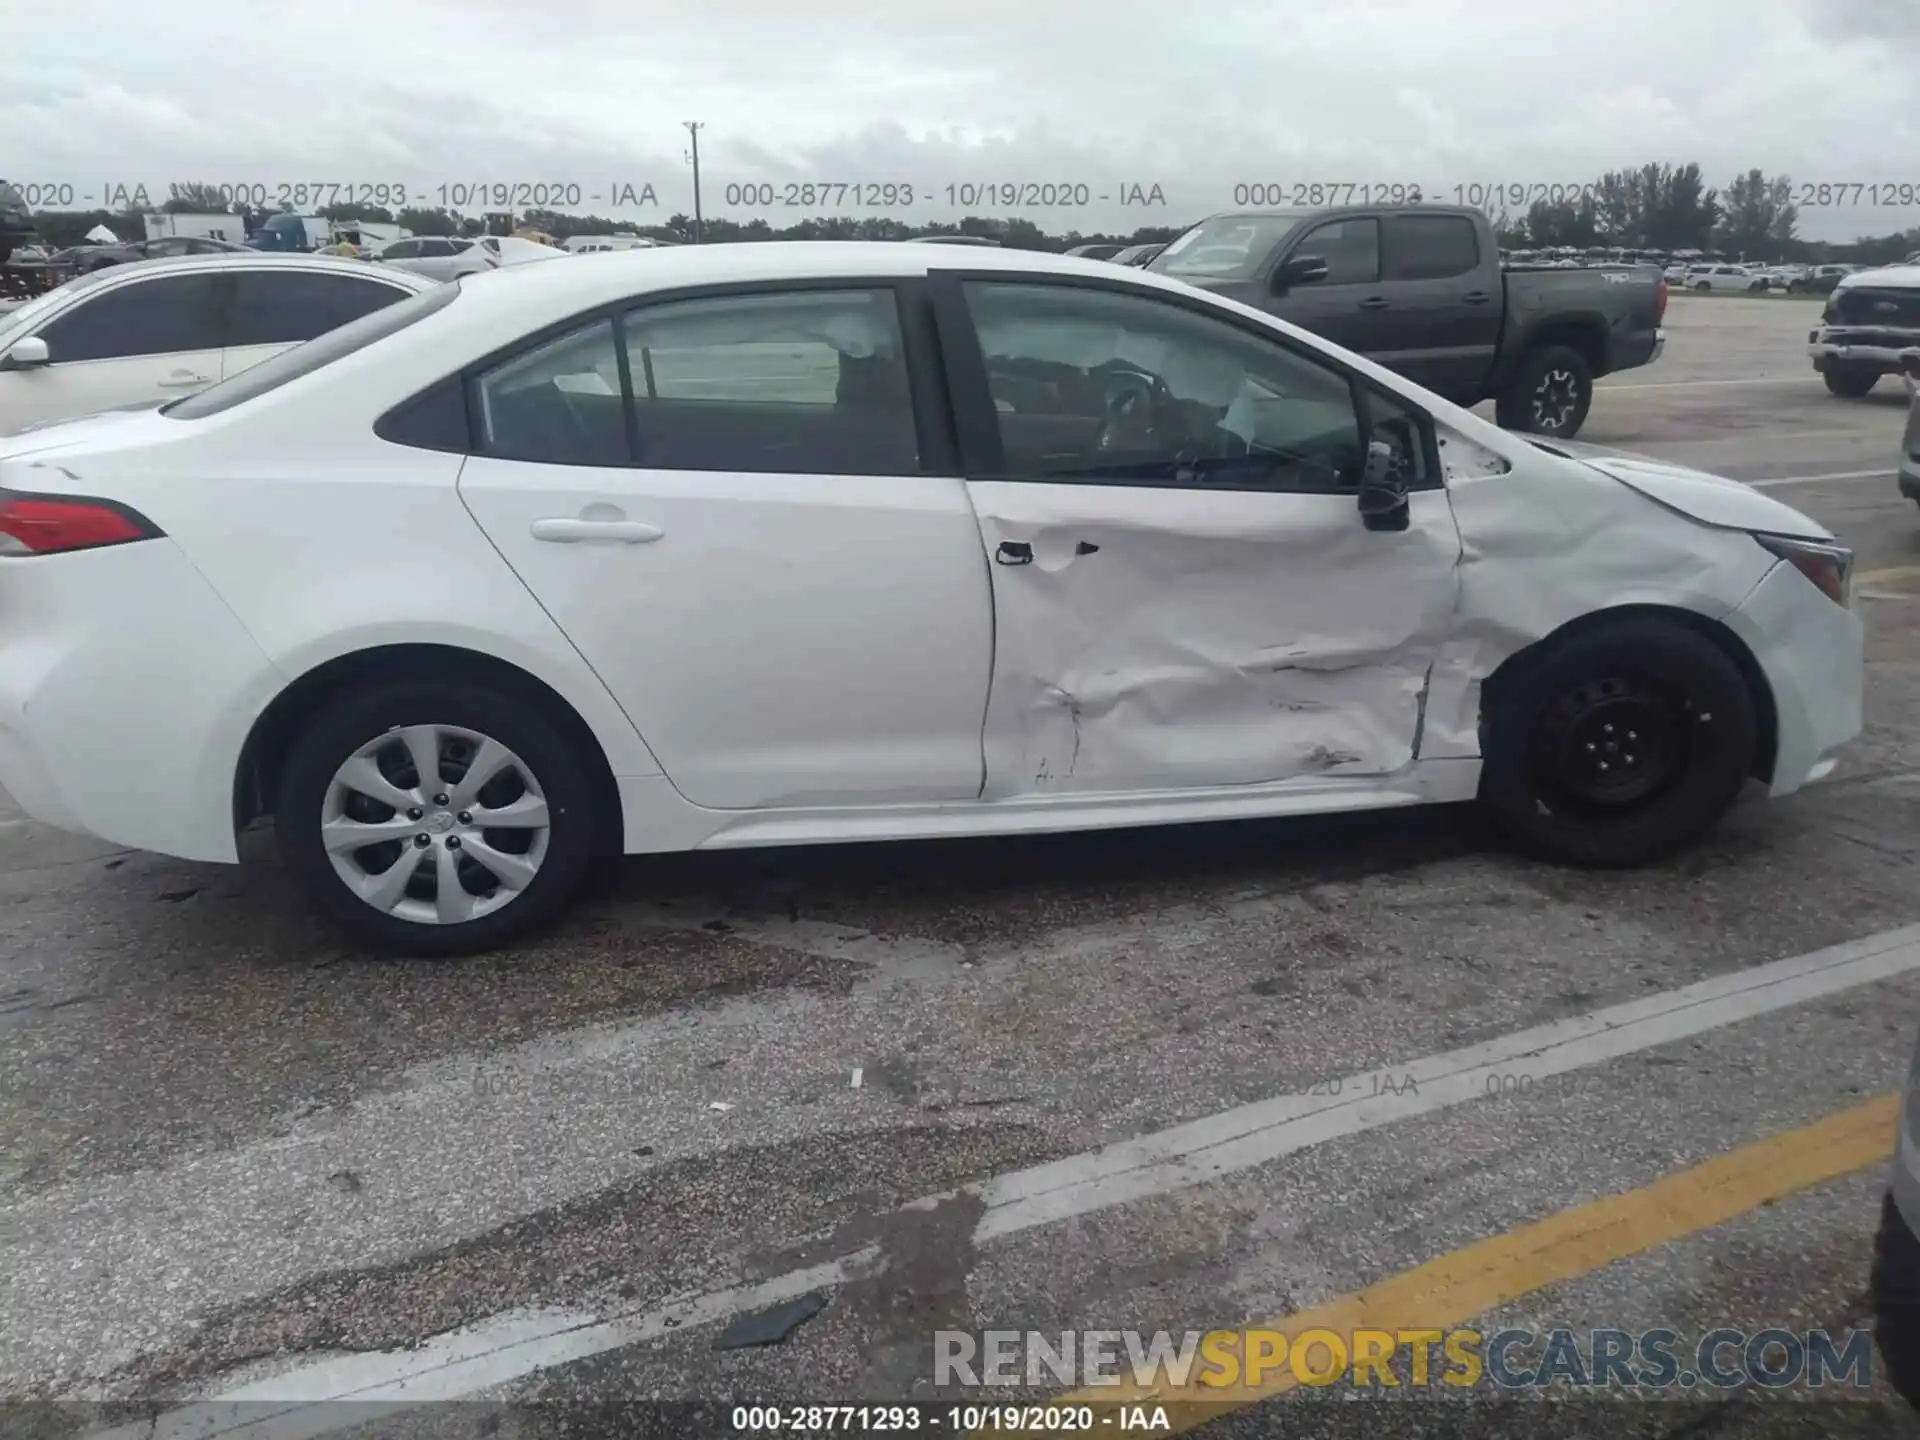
[[568, 530], [178, 379]]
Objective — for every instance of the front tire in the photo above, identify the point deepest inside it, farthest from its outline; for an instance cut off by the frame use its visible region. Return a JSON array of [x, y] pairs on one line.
[[1850, 380], [1894, 1288], [437, 816], [1618, 746], [1550, 393]]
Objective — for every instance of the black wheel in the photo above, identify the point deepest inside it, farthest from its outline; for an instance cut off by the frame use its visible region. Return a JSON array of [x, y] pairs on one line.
[[1894, 1288], [1850, 380], [1618, 746], [1549, 394], [437, 816]]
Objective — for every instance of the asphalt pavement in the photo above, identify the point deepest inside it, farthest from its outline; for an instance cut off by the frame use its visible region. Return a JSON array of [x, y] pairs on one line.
[[1046, 1084]]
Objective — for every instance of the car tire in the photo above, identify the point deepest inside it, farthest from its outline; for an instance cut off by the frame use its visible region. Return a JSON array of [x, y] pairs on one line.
[[1550, 393], [1893, 1288], [1618, 745], [374, 727], [1850, 380]]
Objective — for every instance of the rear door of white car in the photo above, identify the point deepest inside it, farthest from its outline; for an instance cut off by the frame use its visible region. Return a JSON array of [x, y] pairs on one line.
[[131, 340], [743, 507], [1185, 594], [277, 306]]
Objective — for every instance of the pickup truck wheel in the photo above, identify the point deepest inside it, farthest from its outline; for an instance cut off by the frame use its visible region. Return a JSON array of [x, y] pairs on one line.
[[1894, 1287], [1850, 380], [1618, 746], [1550, 394]]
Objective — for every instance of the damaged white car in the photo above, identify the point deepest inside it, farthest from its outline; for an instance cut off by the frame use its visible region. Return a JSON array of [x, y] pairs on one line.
[[780, 544]]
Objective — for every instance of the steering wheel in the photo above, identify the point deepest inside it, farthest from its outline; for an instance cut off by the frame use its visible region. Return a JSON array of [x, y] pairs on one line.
[[1132, 408]]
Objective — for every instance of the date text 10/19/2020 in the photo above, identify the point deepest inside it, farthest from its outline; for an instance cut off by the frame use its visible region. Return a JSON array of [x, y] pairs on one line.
[[828, 195]]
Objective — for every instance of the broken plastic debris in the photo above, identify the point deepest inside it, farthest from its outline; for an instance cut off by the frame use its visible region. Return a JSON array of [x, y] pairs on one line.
[[857, 1073], [721, 1105], [772, 1326]]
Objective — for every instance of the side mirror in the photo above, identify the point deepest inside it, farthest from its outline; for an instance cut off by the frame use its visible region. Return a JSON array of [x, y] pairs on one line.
[[29, 353], [1383, 490], [1300, 270]]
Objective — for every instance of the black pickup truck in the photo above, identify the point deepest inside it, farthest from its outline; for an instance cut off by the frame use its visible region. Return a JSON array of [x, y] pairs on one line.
[[1421, 289]]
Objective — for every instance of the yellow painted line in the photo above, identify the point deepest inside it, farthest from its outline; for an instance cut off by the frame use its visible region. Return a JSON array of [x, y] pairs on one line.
[[1457, 1287]]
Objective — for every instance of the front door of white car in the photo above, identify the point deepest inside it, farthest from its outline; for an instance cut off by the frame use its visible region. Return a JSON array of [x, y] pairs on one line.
[[1185, 594], [765, 552], [130, 340], [275, 307]]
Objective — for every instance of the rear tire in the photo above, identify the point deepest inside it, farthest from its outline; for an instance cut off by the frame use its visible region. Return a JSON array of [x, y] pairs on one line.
[[1550, 393], [1850, 380], [359, 760], [1618, 746]]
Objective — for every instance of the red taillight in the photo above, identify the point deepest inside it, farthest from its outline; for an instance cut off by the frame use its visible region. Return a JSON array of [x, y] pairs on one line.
[[55, 524], [1660, 300]]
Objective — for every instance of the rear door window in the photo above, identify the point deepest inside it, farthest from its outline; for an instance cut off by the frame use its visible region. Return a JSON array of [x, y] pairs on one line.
[[165, 315], [799, 382], [285, 307], [301, 360], [559, 403], [1431, 247]]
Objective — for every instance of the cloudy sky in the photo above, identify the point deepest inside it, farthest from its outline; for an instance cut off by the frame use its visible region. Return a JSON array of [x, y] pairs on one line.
[[1101, 94]]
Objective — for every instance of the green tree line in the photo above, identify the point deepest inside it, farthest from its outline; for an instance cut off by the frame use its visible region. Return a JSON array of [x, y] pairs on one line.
[[1654, 207]]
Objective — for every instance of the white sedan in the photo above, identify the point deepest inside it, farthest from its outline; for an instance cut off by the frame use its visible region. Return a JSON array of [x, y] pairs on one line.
[[778, 544], [155, 330], [450, 257]]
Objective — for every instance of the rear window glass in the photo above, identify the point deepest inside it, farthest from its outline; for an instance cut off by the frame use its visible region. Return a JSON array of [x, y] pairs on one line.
[[272, 373]]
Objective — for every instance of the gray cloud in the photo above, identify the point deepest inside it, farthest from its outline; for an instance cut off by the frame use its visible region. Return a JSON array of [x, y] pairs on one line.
[[1107, 94]]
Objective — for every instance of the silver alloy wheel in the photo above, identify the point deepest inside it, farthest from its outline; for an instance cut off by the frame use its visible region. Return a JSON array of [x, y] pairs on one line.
[[1555, 399], [435, 824]]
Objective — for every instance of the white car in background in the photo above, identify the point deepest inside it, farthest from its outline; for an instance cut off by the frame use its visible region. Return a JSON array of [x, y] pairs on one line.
[[774, 544], [155, 330], [448, 257], [1724, 277]]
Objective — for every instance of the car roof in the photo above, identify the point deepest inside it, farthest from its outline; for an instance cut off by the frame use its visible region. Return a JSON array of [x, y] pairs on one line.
[[258, 260], [607, 275]]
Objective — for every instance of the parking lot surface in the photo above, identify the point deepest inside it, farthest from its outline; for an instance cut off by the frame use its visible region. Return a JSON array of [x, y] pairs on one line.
[[1037, 1084]]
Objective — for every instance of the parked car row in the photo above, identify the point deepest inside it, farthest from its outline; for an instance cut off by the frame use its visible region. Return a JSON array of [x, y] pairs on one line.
[[1134, 255]]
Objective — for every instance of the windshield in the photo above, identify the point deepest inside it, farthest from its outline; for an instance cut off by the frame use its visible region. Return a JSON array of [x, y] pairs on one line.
[[1227, 247], [16, 322]]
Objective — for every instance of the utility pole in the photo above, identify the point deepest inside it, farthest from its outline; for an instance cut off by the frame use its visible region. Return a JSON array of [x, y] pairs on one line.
[[694, 128]]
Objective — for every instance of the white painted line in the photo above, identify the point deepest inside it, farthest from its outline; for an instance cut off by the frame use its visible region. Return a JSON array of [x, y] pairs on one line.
[[1603, 387], [510, 1346], [1778, 480], [306, 1403]]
